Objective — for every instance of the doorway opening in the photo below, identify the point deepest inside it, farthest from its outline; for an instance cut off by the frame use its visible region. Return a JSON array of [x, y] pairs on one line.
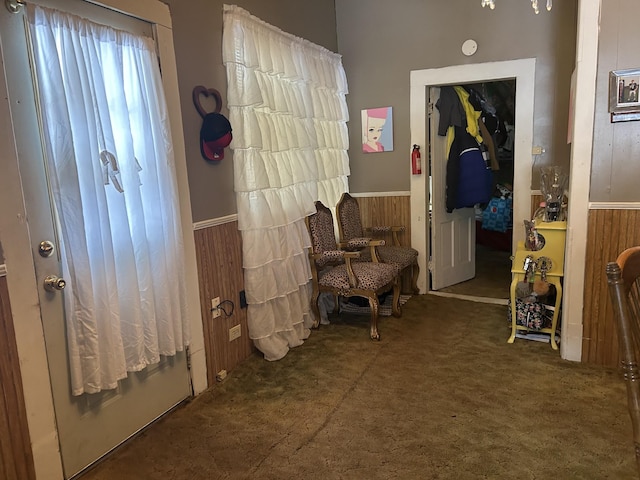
[[490, 284], [522, 72]]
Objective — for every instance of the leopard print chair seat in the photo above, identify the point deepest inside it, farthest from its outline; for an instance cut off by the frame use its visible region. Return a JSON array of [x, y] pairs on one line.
[[334, 271], [352, 235]]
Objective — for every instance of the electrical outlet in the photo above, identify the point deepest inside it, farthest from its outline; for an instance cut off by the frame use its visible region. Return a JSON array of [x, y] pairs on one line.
[[215, 303], [537, 150], [234, 332]]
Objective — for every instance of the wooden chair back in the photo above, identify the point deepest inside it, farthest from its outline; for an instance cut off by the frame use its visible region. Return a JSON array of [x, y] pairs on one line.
[[349, 220], [623, 277]]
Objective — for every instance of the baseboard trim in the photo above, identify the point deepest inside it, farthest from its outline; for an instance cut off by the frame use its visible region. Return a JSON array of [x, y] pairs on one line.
[[471, 298]]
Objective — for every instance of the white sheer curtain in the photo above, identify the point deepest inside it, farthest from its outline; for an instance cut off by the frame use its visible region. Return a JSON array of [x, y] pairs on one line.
[[111, 168], [287, 107]]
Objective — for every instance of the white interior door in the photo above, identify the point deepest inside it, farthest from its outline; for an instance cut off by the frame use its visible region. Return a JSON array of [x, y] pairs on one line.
[[88, 426], [453, 235]]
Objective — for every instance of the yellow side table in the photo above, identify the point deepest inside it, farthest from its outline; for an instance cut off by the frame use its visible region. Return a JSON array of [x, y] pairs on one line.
[[554, 234]]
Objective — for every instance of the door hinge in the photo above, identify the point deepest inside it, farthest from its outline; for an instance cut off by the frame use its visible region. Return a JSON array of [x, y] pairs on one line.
[[430, 266], [188, 354]]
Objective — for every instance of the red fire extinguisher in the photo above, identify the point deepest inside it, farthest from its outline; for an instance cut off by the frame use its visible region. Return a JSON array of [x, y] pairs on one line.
[[416, 163]]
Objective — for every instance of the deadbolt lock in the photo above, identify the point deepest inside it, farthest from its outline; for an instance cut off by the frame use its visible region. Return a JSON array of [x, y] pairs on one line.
[[46, 248]]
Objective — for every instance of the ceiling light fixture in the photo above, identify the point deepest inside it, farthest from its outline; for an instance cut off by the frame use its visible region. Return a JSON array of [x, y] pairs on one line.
[[534, 5]]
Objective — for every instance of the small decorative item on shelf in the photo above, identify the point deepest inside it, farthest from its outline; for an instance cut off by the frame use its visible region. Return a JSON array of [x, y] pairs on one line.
[[553, 183], [544, 265], [533, 239]]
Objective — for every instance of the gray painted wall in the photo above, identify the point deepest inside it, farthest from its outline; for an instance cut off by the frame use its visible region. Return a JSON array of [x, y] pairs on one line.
[[382, 41], [615, 174], [197, 33]]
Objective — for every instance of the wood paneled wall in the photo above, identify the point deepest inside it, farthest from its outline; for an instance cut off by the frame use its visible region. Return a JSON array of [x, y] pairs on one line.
[[16, 457], [377, 211], [220, 274], [391, 211], [610, 232], [535, 203]]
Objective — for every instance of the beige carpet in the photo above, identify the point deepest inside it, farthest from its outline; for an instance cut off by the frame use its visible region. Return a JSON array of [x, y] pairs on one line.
[[441, 396]]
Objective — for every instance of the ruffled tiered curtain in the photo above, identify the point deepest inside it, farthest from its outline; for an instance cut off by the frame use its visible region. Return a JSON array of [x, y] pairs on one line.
[[287, 108]]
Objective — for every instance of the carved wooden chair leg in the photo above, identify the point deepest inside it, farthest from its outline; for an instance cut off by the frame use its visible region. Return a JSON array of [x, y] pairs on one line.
[[415, 271], [632, 377], [396, 310], [316, 310], [373, 303]]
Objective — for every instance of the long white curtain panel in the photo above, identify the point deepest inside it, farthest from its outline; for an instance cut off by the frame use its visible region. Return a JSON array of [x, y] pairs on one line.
[[287, 107]]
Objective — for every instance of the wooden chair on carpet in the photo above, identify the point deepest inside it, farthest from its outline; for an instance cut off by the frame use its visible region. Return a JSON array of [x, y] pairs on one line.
[[352, 234], [333, 270], [623, 277]]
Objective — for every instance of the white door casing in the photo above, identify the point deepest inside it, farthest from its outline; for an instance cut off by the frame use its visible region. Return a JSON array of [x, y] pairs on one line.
[[523, 71], [453, 235], [80, 418]]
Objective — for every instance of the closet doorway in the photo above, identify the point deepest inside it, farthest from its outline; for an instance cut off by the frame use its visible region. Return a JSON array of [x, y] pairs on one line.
[[489, 277], [522, 74]]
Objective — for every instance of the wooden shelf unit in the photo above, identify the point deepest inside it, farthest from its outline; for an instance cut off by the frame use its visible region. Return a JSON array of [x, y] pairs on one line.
[[554, 234]]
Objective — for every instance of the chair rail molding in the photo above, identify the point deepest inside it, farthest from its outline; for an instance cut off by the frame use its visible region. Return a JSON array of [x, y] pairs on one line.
[[614, 205], [213, 222]]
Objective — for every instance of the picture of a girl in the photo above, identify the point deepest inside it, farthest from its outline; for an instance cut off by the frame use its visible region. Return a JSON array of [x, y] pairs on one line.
[[374, 121]]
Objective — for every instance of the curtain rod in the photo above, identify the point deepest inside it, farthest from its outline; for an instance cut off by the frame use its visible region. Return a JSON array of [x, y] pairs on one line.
[[14, 6]]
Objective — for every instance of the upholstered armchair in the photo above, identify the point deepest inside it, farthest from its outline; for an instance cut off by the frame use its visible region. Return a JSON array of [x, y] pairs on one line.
[[352, 236], [335, 271]]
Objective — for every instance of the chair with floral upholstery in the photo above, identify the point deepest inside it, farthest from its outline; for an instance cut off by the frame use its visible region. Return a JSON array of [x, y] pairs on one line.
[[352, 235], [335, 272]]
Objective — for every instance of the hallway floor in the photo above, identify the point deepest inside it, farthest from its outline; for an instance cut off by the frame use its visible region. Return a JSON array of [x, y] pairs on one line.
[[493, 275], [441, 396]]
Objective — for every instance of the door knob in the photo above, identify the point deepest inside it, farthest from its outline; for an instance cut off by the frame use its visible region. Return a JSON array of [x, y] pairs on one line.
[[53, 283]]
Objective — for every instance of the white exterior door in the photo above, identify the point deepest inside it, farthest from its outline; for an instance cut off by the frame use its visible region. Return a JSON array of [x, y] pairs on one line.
[[89, 425], [453, 235]]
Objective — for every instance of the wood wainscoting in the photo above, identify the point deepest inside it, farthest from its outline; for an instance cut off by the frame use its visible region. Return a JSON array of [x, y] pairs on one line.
[[392, 211], [16, 456], [220, 274], [379, 211], [610, 232]]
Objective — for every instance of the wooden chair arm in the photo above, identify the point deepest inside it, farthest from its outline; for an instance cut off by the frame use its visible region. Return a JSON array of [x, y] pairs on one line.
[[385, 229], [334, 255], [360, 243]]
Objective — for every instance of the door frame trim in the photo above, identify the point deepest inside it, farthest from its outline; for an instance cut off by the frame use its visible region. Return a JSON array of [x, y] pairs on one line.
[[523, 71]]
